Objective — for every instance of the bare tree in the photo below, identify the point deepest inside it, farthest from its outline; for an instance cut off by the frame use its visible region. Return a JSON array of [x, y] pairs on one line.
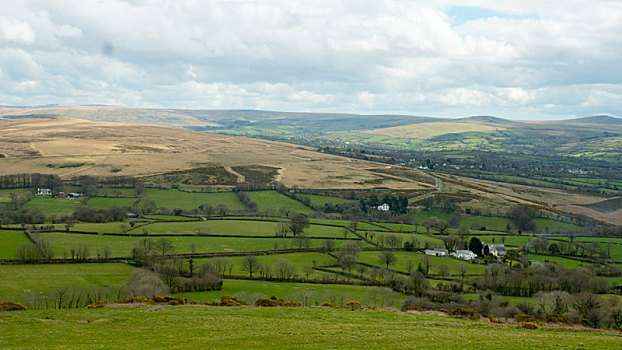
[[250, 264], [387, 258]]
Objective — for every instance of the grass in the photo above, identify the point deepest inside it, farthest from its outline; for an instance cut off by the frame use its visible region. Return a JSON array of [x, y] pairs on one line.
[[172, 199], [567, 263], [318, 200], [54, 206], [275, 200], [286, 290], [20, 192], [299, 260], [107, 202], [122, 246], [237, 227], [17, 279], [11, 240], [194, 327], [417, 258]]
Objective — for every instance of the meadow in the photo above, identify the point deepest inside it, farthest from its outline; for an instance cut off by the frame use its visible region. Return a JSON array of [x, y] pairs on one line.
[[54, 206], [275, 200], [107, 202], [172, 199], [139, 327], [17, 279], [11, 240]]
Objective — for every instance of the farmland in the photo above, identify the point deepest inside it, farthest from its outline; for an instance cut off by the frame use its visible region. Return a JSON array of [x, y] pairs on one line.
[[139, 327]]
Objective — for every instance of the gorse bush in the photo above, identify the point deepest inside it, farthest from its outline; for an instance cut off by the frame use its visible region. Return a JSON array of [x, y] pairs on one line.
[[11, 306]]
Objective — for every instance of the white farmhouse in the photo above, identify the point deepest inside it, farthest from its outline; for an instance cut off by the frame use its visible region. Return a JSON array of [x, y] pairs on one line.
[[436, 252], [464, 254], [383, 207], [44, 192]]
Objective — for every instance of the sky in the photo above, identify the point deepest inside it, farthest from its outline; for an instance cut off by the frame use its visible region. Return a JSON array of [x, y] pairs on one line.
[[528, 59]]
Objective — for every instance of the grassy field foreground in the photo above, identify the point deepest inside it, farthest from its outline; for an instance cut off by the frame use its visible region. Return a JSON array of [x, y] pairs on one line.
[[191, 327]]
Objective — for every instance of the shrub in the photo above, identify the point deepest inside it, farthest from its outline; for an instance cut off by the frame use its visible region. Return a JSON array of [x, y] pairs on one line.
[[353, 305], [159, 299], [11, 306], [462, 312], [494, 320], [228, 300], [96, 305], [265, 302], [555, 318], [528, 325], [326, 304], [523, 317], [412, 308], [292, 303]]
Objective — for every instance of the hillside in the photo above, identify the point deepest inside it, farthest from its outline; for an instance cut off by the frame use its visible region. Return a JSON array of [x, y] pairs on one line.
[[277, 328], [70, 147]]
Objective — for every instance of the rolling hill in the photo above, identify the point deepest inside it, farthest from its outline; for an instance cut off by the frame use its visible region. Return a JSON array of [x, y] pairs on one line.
[[72, 147]]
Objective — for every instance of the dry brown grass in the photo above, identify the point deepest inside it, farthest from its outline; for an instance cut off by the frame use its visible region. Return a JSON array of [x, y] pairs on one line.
[[44, 145]]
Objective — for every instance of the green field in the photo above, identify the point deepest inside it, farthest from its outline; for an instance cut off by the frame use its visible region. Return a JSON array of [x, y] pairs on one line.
[[107, 202], [122, 246], [299, 260], [20, 192], [287, 290], [54, 206], [17, 279], [318, 200], [417, 258], [172, 199], [236, 227], [567, 263], [191, 327], [275, 200], [9, 242]]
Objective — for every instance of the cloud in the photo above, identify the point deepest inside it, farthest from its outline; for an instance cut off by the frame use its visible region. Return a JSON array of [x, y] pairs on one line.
[[528, 59]]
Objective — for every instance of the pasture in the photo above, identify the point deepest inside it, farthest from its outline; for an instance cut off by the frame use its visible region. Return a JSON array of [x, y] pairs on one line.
[[172, 199], [18, 279], [108, 202], [54, 206], [275, 200], [140, 327], [10, 241]]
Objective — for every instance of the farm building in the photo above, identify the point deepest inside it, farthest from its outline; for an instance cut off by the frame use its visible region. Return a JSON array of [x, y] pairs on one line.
[[437, 252], [496, 250], [464, 254], [44, 192], [384, 207]]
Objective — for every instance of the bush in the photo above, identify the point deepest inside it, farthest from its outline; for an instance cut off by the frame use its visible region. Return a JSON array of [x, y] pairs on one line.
[[353, 305], [462, 312], [228, 300], [145, 283], [265, 302], [415, 303], [528, 325], [326, 304], [494, 320], [523, 317], [11, 306], [555, 318]]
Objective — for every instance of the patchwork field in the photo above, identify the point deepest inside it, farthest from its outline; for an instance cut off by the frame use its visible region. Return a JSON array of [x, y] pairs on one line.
[[54, 206], [172, 199], [11, 240]]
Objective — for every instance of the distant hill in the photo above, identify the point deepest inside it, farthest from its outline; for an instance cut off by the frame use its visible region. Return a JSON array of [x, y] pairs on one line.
[[72, 147], [597, 119]]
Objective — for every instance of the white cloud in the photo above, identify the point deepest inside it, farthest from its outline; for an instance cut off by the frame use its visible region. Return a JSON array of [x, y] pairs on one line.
[[16, 31], [528, 59]]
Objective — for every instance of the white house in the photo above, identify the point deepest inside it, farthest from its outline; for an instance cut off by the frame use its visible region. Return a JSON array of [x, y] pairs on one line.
[[44, 192], [436, 252], [496, 250], [383, 207], [464, 254]]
